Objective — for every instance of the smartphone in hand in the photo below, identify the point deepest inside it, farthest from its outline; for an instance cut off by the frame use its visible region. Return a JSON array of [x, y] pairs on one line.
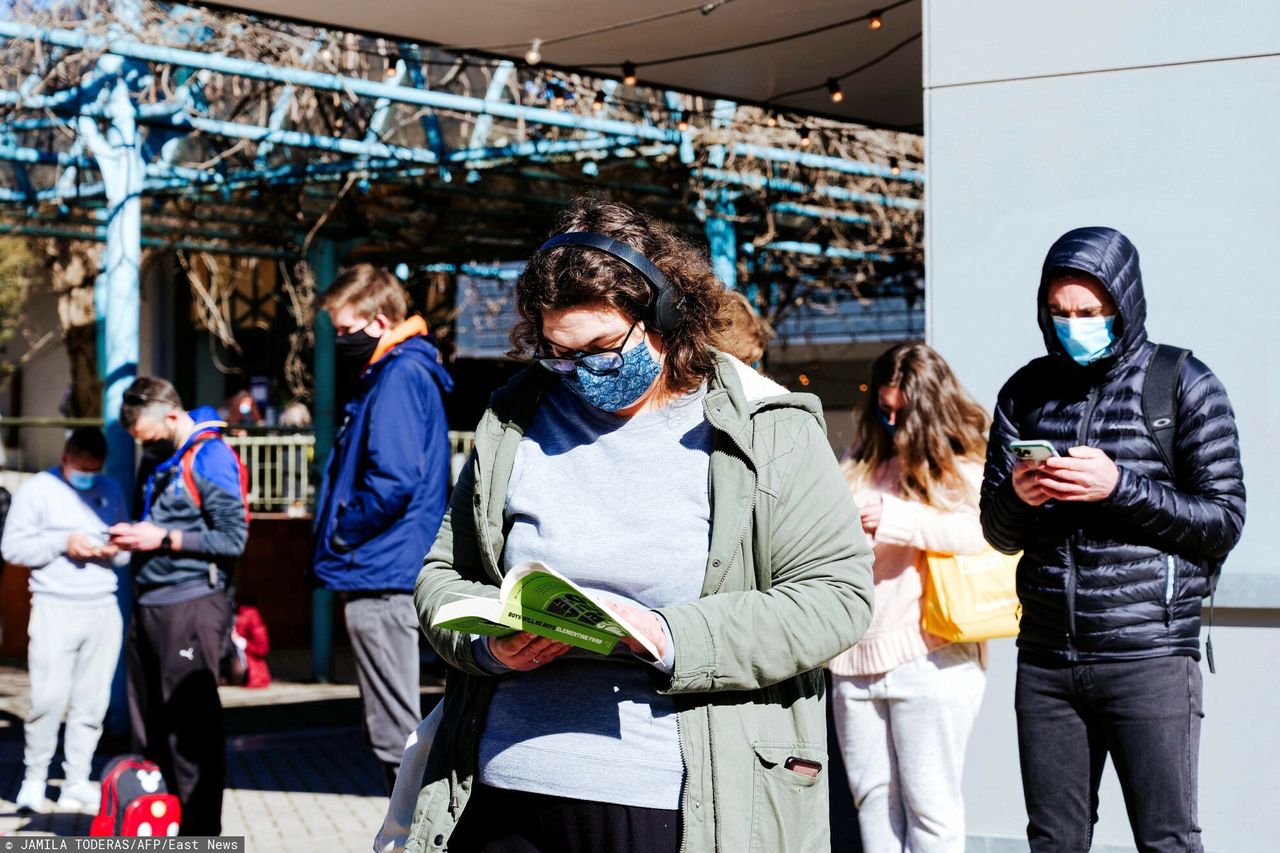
[[1035, 450]]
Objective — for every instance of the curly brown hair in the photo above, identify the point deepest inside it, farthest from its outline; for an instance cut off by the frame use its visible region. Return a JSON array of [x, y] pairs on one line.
[[939, 425], [573, 276]]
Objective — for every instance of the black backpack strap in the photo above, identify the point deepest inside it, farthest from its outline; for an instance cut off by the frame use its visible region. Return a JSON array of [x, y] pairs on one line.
[[1160, 410], [1160, 400]]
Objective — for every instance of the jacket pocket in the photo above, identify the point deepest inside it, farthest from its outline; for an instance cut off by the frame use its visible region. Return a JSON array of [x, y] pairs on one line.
[[788, 806]]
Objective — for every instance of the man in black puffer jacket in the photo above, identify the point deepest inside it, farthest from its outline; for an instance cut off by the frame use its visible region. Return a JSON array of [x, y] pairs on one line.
[[1117, 553]]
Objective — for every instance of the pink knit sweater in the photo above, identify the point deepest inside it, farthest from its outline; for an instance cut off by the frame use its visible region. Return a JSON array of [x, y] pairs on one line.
[[906, 528]]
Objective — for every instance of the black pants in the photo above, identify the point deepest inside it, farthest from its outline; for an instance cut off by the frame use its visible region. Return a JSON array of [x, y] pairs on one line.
[[172, 656], [1145, 713], [501, 821]]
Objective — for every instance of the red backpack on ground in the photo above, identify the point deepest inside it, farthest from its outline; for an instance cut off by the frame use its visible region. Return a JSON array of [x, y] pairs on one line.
[[135, 802]]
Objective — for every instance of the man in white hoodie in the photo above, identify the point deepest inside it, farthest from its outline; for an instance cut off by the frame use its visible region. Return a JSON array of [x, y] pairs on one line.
[[57, 527]]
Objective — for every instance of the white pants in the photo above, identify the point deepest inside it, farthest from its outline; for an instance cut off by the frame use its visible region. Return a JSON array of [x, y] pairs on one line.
[[71, 658], [903, 736]]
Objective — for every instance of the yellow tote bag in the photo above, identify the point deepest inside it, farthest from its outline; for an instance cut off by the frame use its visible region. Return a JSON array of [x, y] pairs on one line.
[[970, 597]]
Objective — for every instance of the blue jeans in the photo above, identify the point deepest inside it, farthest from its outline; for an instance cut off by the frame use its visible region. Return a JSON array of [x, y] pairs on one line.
[[1144, 713]]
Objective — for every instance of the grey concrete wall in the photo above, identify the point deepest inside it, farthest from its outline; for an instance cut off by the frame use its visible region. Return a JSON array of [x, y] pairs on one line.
[[1160, 119]]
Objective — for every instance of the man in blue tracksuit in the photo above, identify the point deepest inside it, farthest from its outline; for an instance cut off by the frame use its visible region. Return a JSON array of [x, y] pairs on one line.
[[193, 528], [384, 494]]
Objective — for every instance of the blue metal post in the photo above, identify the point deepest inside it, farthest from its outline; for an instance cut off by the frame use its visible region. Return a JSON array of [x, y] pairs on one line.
[[323, 260], [118, 298], [719, 223], [118, 303]]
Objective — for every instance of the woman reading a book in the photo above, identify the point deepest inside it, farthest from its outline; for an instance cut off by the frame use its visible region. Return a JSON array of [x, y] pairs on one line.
[[702, 506]]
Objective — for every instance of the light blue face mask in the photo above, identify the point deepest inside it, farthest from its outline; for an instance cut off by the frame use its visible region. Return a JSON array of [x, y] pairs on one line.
[[81, 480], [1086, 339], [619, 389]]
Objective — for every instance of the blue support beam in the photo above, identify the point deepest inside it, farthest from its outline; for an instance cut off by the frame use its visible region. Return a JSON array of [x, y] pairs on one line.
[[322, 257], [299, 139], [718, 221], [99, 235], [117, 290], [493, 94], [280, 110], [117, 294], [430, 121], [822, 161], [809, 211], [760, 182], [675, 104], [352, 86], [796, 247]]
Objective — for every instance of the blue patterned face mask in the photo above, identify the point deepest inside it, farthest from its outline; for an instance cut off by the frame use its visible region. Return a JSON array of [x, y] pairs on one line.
[[1086, 339], [621, 388]]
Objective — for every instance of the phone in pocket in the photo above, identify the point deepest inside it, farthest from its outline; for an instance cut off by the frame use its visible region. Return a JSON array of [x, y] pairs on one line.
[[803, 766]]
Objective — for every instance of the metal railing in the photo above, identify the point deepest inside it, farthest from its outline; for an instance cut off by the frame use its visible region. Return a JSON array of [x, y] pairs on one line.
[[280, 466], [283, 470]]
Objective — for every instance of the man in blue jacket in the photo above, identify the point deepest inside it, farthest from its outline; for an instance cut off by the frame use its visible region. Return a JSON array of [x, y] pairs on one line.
[[384, 494], [193, 528], [1121, 535]]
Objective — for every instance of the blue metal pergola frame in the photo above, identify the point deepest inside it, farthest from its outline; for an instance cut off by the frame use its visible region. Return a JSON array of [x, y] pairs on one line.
[[130, 144]]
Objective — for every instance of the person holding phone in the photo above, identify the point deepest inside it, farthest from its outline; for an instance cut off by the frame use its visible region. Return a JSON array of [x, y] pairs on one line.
[[904, 700], [1119, 548], [635, 459], [194, 526], [57, 526]]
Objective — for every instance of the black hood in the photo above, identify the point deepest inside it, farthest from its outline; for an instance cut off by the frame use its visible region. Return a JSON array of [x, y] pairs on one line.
[[1108, 256]]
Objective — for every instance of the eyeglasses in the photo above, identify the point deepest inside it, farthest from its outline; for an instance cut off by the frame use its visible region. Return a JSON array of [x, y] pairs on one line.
[[602, 363]]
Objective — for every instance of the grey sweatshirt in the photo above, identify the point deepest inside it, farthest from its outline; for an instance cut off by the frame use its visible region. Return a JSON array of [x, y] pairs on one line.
[[620, 506], [45, 511]]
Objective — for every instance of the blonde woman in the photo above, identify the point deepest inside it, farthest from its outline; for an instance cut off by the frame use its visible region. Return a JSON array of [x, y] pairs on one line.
[[905, 700]]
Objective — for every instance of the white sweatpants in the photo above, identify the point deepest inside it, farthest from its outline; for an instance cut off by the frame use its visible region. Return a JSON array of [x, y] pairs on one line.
[[71, 658], [903, 736]]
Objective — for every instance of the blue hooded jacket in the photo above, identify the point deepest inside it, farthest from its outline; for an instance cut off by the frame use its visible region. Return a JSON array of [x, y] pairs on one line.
[[214, 530], [1121, 578], [387, 480]]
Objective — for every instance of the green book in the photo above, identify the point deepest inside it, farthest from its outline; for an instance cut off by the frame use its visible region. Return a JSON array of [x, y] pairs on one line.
[[536, 598]]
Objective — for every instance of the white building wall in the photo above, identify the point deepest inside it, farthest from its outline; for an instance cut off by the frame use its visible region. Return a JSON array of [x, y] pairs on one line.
[[1161, 119]]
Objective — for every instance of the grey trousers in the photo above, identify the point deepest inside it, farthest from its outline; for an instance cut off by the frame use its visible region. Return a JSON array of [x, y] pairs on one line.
[[384, 635], [71, 658]]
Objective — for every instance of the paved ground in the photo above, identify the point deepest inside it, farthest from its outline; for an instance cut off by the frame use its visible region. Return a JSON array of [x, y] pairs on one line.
[[299, 777]]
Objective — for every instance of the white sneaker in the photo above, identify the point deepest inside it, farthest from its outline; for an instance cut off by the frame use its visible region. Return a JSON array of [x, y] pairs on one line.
[[79, 797], [31, 796]]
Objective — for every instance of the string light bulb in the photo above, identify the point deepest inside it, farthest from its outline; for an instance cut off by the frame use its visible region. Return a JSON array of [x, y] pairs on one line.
[[598, 103], [682, 124], [557, 96], [833, 86], [875, 22], [629, 73], [534, 54], [804, 137], [770, 118], [894, 168]]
